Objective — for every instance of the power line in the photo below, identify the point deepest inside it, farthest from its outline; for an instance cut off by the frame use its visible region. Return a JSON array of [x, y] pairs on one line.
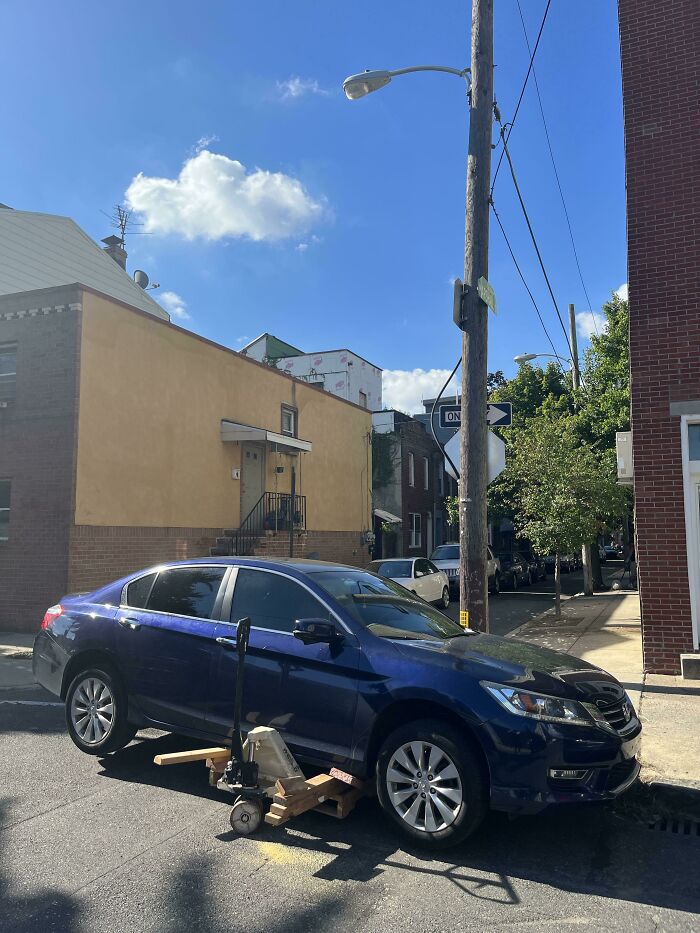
[[522, 90], [522, 277], [532, 233], [556, 173]]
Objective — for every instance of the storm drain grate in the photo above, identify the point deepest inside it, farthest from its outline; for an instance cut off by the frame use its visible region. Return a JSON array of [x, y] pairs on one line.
[[677, 827]]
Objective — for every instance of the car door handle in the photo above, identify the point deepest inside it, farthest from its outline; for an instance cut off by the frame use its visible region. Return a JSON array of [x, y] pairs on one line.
[[129, 623], [230, 643]]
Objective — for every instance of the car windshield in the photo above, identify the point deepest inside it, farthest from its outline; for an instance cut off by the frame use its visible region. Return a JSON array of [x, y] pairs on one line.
[[393, 569], [446, 552], [385, 608]]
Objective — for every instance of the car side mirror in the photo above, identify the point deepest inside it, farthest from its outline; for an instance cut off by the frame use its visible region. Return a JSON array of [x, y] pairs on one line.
[[316, 631]]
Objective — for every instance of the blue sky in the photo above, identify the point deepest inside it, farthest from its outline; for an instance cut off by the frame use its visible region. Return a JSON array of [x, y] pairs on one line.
[[344, 222]]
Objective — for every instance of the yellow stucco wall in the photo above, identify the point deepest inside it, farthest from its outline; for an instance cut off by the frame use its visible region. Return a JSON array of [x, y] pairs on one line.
[[149, 449]]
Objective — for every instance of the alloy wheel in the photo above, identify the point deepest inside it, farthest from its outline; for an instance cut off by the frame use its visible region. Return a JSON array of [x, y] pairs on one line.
[[92, 710], [445, 598], [424, 786]]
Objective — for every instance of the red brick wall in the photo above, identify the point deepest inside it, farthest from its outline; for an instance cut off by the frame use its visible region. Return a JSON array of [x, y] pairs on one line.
[[660, 45], [342, 547], [416, 498], [36, 453]]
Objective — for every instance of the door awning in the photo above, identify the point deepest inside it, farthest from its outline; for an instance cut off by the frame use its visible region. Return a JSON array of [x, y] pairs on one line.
[[233, 431], [387, 517]]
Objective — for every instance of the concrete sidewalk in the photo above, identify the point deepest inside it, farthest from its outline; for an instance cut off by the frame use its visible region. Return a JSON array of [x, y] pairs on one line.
[[605, 630]]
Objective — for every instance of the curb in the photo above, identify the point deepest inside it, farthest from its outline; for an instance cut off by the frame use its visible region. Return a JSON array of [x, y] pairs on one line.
[[16, 654], [656, 800]]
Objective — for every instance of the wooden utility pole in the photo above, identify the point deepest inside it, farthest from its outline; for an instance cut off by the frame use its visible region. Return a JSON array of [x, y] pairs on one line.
[[473, 459], [576, 380]]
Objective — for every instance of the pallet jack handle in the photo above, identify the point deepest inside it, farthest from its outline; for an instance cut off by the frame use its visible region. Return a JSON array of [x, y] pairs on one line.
[[242, 639]]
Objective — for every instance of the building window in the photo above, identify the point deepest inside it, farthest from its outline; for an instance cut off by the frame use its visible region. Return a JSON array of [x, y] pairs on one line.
[[411, 470], [363, 399], [416, 538], [4, 509], [426, 474], [441, 479], [289, 420], [694, 441], [8, 370]]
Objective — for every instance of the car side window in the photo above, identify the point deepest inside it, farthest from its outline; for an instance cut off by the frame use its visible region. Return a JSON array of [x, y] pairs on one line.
[[137, 593], [431, 567], [421, 568], [187, 591], [273, 601]]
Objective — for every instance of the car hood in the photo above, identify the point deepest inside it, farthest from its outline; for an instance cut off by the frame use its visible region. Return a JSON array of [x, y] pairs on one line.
[[445, 564], [518, 664]]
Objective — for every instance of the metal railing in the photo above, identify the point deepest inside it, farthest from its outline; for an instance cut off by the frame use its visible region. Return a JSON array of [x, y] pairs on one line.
[[274, 511]]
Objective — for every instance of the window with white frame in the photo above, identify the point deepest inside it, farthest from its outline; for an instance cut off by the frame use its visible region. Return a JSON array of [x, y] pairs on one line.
[[415, 525], [289, 420], [426, 473], [411, 470], [4, 509], [363, 399], [8, 370]]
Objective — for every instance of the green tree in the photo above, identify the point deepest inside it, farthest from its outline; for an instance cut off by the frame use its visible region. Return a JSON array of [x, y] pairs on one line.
[[562, 489]]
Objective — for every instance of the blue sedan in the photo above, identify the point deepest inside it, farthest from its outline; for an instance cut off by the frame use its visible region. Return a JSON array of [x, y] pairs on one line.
[[449, 722]]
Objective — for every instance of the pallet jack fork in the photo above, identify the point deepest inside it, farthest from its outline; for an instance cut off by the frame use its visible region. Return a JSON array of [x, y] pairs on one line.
[[262, 772]]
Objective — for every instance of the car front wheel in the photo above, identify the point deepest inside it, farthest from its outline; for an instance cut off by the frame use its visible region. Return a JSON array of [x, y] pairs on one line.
[[445, 600], [430, 783], [96, 709]]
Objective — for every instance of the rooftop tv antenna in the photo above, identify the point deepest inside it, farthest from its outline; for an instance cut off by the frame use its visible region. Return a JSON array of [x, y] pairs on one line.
[[121, 220]]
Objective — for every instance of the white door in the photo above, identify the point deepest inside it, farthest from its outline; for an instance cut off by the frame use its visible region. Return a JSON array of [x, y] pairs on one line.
[[252, 477], [424, 580]]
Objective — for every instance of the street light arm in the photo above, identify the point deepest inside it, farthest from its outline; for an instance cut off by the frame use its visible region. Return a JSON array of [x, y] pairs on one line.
[[453, 71]]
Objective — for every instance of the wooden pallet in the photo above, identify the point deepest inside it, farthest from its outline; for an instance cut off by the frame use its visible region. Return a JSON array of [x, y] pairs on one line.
[[334, 794]]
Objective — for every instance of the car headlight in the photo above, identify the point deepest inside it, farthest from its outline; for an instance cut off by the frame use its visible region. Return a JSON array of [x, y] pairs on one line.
[[539, 706]]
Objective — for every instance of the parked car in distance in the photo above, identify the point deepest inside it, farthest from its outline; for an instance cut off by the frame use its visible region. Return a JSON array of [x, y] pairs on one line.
[[537, 565], [515, 569], [418, 575], [611, 552], [446, 557], [354, 672], [567, 562], [602, 555]]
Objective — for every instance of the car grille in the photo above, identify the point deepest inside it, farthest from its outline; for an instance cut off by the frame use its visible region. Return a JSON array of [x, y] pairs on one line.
[[618, 714], [620, 773]]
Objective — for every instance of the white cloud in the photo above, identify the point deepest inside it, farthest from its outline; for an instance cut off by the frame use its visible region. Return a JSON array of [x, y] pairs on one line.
[[623, 292], [174, 305], [301, 247], [295, 87], [241, 340], [204, 142], [215, 197], [405, 389], [590, 322]]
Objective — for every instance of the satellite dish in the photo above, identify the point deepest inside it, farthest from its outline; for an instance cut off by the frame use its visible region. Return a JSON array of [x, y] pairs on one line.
[[141, 278]]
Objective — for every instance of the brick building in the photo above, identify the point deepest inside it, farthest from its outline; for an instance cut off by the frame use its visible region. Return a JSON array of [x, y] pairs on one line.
[[126, 441], [410, 484], [660, 46]]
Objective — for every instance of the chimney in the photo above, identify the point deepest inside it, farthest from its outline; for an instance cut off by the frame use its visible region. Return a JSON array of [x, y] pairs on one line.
[[115, 248]]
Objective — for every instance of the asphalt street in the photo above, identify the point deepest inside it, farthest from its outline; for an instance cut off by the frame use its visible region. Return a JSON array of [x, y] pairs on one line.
[[120, 844]]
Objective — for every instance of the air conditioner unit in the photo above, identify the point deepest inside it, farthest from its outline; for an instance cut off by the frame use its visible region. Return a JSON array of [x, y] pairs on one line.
[[625, 468]]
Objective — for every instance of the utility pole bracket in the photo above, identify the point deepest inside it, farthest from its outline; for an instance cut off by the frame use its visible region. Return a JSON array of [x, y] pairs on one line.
[[465, 298]]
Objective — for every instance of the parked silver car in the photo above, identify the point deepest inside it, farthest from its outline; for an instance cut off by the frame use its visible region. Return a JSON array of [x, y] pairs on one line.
[[446, 557]]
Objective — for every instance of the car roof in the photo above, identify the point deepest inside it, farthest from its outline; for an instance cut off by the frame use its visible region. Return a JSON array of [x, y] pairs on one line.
[[298, 564], [394, 560]]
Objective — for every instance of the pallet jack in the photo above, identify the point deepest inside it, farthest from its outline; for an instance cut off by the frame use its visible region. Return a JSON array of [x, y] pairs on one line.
[[261, 771]]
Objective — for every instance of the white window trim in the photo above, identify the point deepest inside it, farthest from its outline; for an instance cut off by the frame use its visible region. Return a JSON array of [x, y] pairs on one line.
[[426, 473], [415, 546], [691, 479], [411, 469]]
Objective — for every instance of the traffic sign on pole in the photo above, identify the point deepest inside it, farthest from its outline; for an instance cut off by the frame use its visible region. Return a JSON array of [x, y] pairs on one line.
[[498, 414]]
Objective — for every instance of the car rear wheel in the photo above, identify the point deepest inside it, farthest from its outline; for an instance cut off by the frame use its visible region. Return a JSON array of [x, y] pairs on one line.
[[445, 601], [430, 783], [96, 710]]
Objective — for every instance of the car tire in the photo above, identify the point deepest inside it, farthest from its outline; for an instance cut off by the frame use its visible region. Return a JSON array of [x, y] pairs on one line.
[[515, 581], [459, 799], [96, 710], [496, 586], [445, 601]]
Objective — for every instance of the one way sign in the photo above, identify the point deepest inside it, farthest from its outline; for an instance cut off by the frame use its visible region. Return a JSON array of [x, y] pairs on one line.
[[498, 414]]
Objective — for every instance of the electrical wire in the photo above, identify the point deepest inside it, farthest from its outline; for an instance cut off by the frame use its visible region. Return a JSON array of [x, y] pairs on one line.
[[556, 173], [533, 237], [432, 416], [522, 277], [522, 90]]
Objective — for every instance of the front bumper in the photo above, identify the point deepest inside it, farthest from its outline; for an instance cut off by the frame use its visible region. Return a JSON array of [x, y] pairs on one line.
[[521, 764]]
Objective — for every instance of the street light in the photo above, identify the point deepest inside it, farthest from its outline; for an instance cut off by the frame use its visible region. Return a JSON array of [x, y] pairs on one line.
[[527, 357], [361, 85]]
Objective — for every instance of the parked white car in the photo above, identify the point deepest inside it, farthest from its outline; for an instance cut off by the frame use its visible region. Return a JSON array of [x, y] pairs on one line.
[[418, 575], [446, 557]]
